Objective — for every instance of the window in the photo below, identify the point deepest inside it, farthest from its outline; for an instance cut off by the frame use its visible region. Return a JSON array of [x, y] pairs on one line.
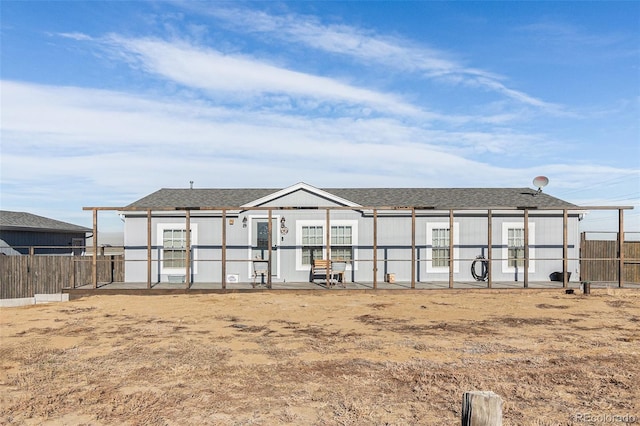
[[172, 242], [515, 244], [310, 239], [341, 243], [438, 243], [77, 246], [513, 247], [174, 248], [440, 247]]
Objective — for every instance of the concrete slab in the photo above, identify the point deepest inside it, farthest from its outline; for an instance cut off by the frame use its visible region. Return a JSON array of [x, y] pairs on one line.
[[49, 298], [12, 303], [37, 299]]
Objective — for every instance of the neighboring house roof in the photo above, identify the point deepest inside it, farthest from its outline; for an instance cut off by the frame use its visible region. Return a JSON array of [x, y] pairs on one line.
[[7, 250], [439, 198], [21, 221]]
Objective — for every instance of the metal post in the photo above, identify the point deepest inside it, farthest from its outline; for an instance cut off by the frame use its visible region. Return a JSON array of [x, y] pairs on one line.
[[375, 248], [327, 233], [451, 248], [149, 253], [187, 279], [489, 246], [94, 257], [526, 248], [583, 265], [565, 249], [270, 229], [621, 248], [413, 247], [224, 248]]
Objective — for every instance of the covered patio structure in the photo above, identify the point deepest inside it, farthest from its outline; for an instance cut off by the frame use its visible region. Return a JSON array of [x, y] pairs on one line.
[[378, 263]]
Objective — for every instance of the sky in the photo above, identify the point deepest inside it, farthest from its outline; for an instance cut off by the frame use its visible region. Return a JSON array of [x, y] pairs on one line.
[[103, 103]]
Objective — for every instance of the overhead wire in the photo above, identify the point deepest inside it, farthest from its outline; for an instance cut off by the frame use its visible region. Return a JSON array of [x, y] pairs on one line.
[[603, 183]]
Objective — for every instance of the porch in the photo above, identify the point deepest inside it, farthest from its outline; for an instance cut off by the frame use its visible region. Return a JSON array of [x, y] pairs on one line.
[[381, 241], [203, 288]]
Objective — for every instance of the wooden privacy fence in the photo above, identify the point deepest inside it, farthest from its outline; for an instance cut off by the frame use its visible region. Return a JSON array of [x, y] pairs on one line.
[[599, 260], [25, 276]]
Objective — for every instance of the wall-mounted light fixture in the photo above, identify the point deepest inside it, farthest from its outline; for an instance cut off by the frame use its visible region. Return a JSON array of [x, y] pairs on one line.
[[283, 226], [244, 222]]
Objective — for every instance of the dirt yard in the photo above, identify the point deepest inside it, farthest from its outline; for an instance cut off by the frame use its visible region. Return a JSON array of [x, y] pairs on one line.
[[329, 358]]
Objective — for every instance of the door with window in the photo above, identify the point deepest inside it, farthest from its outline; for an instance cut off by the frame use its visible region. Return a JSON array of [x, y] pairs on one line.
[[260, 241]]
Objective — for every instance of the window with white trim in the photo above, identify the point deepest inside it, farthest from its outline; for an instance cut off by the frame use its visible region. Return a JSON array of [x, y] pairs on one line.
[[310, 239], [342, 242], [513, 247], [172, 239], [174, 248], [438, 247]]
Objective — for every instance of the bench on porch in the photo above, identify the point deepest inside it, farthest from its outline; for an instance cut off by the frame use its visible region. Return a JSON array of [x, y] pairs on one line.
[[336, 269], [319, 267]]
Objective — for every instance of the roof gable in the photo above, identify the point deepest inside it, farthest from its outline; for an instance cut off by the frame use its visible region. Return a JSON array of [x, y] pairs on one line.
[[22, 221], [319, 193]]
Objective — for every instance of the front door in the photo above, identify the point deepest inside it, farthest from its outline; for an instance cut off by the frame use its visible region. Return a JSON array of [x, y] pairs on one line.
[[260, 242]]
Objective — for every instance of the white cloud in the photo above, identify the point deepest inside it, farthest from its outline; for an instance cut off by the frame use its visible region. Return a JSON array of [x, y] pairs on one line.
[[117, 141], [79, 121], [78, 36], [211, 70], [342, 39], [261, 107], [395, 53], [253, 83], [551, 32]]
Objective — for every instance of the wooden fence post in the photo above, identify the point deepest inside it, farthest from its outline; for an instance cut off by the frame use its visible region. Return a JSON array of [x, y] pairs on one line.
[[31, 272], [621, 248], [481, 408]]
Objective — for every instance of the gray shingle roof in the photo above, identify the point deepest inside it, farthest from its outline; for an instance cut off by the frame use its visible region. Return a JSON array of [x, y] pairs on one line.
[[170, 197], [21, 221], [444, 198]]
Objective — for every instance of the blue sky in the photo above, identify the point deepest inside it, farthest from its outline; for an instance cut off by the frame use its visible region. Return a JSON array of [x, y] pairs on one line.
[[106, 102]]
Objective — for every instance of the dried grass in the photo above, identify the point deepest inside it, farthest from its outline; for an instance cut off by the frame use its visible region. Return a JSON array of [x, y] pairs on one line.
[[295, 367]]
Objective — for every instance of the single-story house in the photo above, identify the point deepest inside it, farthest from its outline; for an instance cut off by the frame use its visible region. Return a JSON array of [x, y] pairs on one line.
[[19, 231], [406, 231]]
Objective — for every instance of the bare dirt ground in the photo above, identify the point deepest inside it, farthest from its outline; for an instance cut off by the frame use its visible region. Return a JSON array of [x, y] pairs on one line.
[[331, 358]]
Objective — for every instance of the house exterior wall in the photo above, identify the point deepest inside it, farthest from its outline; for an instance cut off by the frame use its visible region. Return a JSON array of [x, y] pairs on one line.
[[44, 242], [393, 242]]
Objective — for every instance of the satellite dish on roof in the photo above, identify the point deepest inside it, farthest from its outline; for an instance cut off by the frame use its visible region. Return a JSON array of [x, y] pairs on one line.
[[540, 182]]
